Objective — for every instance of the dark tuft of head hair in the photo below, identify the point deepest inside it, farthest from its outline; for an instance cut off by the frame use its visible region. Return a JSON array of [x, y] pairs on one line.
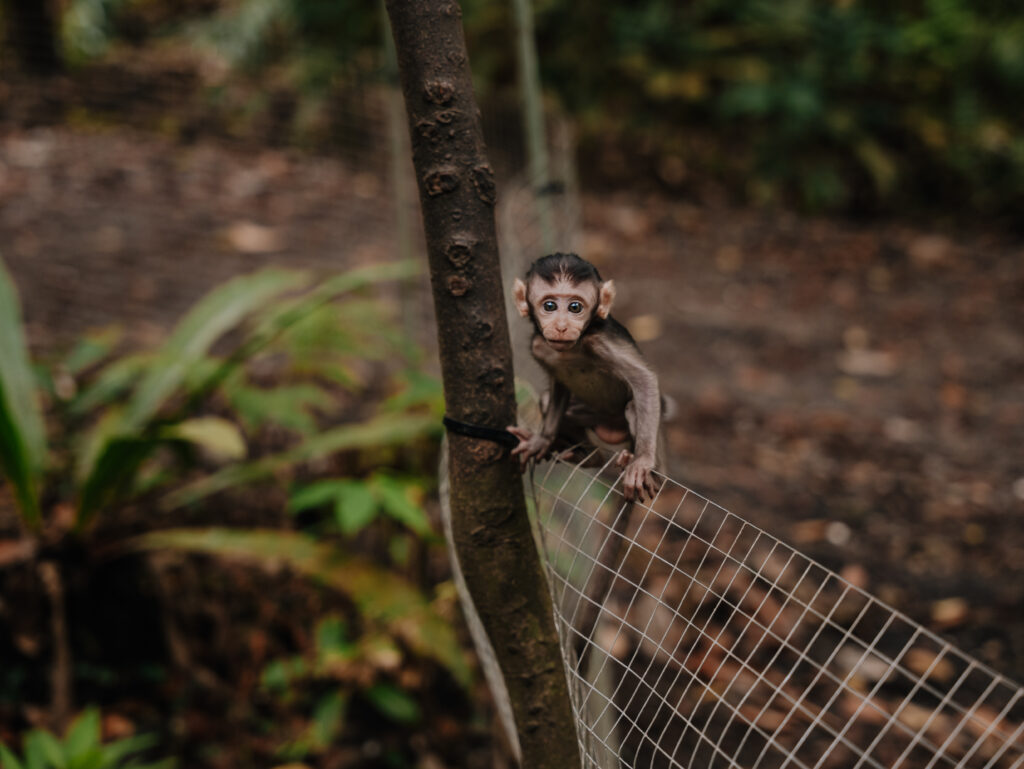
[[570, 267]]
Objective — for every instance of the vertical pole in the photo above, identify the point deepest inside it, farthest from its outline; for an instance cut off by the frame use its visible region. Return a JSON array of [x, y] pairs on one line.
[[533, 122], [398, 159], [490, 527]]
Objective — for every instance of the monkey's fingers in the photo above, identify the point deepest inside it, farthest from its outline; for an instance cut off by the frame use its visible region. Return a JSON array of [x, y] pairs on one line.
[[650, 485], [520, 432], [630, 484]]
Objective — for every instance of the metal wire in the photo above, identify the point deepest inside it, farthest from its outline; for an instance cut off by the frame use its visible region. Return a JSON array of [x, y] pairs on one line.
[[704, 641]]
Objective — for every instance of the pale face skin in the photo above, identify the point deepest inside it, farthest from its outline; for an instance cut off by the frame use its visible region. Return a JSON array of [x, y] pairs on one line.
[[563, 308]]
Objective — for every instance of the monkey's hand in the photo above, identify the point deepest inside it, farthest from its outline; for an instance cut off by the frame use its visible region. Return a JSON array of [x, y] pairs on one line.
[[637, 481], [531, 445]]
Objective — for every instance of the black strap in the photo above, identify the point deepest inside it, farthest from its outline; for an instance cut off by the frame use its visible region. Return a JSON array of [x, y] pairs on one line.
[[504, 437]]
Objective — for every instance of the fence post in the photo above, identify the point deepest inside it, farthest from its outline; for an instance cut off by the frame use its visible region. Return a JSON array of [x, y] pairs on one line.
[[539, 170], [491, 530]]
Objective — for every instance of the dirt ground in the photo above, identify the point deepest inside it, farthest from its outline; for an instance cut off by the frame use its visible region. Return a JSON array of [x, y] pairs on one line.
[[826, 372]]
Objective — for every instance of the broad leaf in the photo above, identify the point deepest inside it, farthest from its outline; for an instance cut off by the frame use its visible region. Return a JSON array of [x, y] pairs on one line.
[[393, 703], [384, 430], [218, 437], [328, 718], [8, 760], [84, 734], [111, 384], [22, 434], [354, 502], [282, 316], [104, 470], [354, 506], [111, 461], [43, 751], [402, 500], [290, 406], [114, 752], [91, 349], [314, 495], [217, 313], [380, 596]]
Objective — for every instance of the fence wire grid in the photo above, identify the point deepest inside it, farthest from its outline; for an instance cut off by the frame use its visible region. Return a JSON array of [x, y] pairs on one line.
[[692, 638]]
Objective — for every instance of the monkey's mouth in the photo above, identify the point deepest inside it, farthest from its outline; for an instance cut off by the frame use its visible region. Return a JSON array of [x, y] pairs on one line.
[[560, 344]]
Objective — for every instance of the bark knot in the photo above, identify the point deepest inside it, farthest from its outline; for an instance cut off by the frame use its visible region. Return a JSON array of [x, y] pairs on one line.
[[427, 129], [441, 180], [483, 180], [460, 251], [458, 285], [439, 91]]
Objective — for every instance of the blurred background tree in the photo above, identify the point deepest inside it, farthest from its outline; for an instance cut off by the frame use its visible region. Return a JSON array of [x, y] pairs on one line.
[[852, 105]]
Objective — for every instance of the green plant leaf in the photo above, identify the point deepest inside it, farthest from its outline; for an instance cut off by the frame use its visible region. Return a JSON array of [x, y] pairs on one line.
[[83, 735], [328, 718], [402, 500], [354, 506], [314, 495], [282, 316], [113, 381], [215, 314], [115, 752], [22, 433], [218, 437], [43, 751], [8, 760], [384, 430], [330, 635], [394, 703], [91, 349], [119, 458], [115, 457], [380, 596], [418, 389], [290, 406]]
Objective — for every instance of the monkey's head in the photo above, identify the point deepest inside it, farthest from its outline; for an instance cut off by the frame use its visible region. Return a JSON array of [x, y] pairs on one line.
[[561, 295]]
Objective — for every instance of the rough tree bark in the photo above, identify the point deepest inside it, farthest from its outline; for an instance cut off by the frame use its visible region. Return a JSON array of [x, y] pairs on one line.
[[491, 529]]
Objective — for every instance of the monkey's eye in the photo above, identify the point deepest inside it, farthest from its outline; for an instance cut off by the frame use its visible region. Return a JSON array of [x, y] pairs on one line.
[[575, 307], [549, 306]]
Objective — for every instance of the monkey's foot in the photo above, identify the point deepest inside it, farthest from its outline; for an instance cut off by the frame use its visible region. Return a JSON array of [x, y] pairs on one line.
[[624, 458], [638, 481]]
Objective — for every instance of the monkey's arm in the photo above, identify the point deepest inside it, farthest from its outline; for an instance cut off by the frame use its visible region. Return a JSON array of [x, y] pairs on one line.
[[643, 414], [536, 445]]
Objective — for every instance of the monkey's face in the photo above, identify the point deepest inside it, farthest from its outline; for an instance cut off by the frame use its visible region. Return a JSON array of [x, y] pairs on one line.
[[561, 309]]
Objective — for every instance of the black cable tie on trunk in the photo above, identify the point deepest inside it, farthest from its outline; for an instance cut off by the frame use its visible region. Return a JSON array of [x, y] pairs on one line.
[[504, 437]]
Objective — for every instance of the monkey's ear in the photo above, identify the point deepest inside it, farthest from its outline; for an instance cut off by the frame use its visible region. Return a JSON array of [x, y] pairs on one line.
[[519, 294], [605, 298]]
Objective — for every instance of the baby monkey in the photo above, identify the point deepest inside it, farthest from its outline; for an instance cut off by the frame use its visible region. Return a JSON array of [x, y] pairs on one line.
[[602, 390]]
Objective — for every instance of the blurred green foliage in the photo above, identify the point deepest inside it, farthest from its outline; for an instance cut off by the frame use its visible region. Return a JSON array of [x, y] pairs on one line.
[[844, 103], [131, 423], [832, 104], [267, 359], [82, 748]]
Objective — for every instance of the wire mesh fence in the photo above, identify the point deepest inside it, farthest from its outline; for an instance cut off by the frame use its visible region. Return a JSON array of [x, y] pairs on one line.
[[692, 638]]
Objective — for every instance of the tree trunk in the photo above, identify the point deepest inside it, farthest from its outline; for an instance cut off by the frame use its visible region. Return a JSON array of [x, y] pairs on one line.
[[491, 530], [31, 32]]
